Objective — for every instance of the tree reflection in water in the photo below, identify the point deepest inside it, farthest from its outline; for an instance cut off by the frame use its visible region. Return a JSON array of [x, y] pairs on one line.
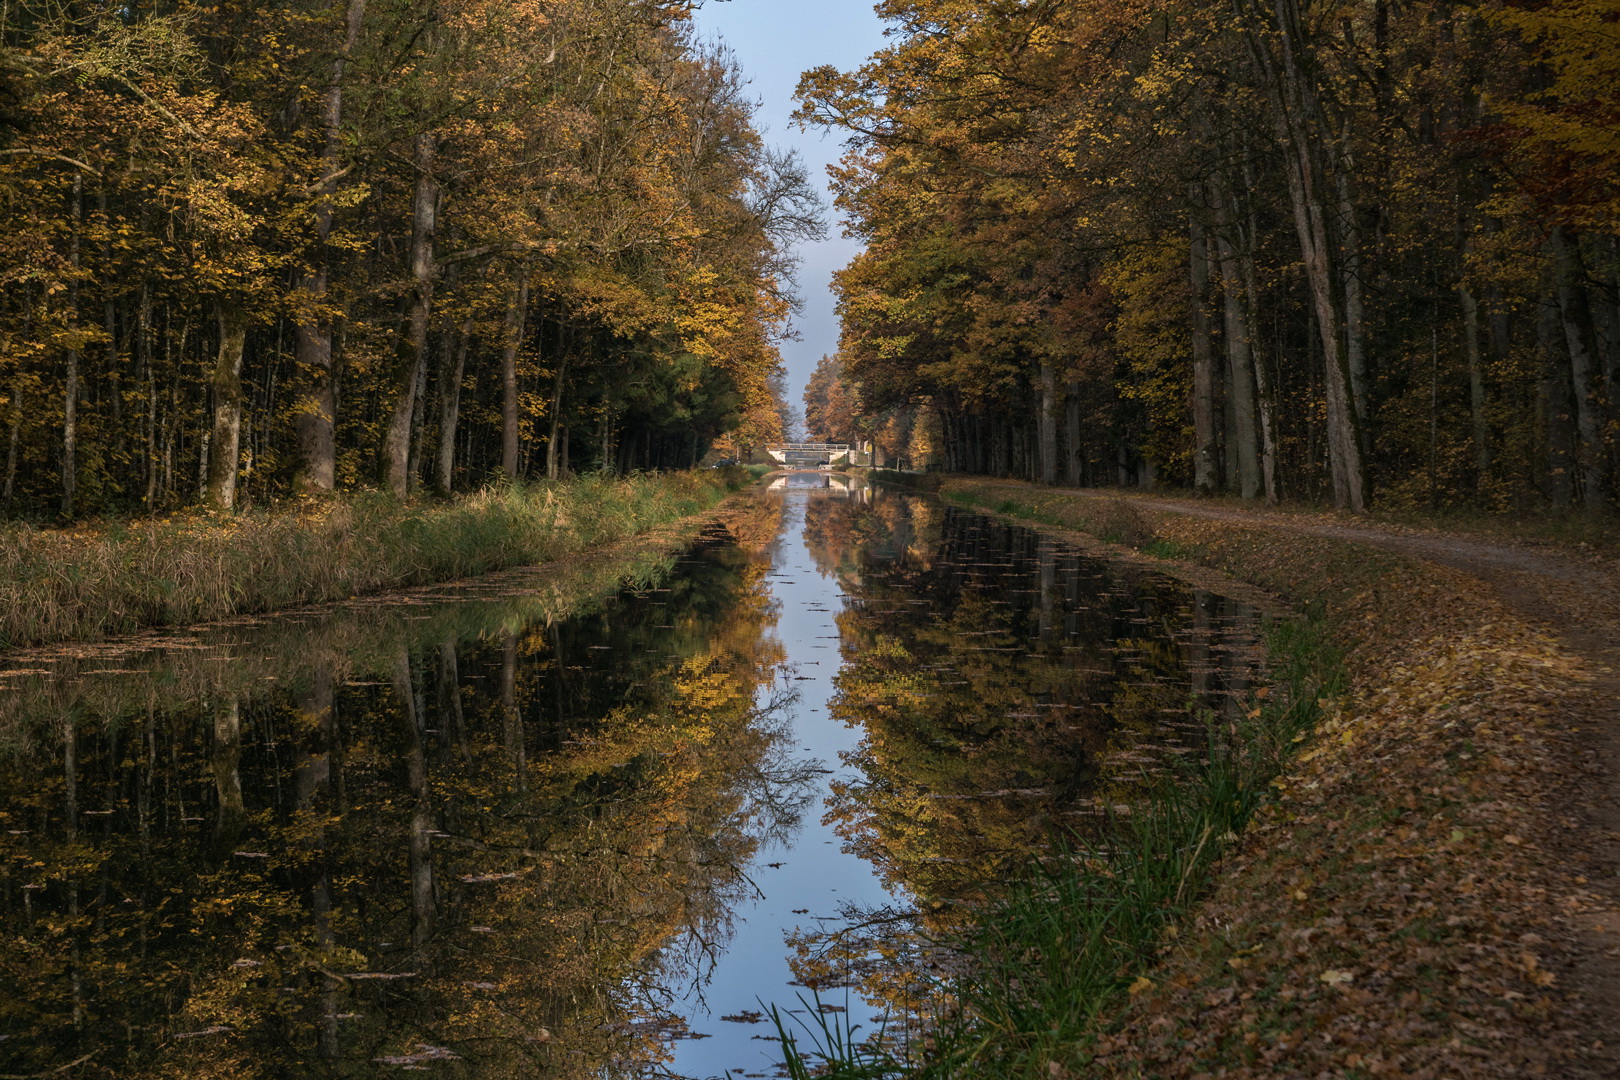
[[502, 828], [1009, 690], [477, 829]]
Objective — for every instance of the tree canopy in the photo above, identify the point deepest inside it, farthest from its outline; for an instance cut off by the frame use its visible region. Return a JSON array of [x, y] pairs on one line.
[[251, 249], [1337, 249]]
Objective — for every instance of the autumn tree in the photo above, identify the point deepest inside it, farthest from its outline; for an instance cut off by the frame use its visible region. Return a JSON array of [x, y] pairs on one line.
[[1324, 248], [253, 251]]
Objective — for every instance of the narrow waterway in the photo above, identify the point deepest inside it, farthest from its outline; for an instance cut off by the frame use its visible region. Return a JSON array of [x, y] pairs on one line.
[[581, 822]]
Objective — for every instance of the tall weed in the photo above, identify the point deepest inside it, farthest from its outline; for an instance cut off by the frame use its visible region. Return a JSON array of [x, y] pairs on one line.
[[60, 585]]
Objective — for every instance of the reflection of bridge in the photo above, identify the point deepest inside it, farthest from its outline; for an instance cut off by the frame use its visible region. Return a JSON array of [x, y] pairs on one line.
[[823, 485], [805, 455]]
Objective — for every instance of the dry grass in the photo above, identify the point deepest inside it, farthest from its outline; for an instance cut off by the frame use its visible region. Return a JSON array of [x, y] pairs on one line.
[[87, 583]]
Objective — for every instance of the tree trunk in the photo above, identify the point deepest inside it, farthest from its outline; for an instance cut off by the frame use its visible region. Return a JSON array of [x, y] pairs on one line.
[[605, 433], [143, 375], [1572, 310], [1611, 324], [1262, 377], [226, 383], [453, 367], [1350, 272], [14, 426], [1205, 478], [415, 448], [1554, 395], [315, 406], [424, 906], [70, 391], [554, 458], [1344, 442], [1048, 426], [1476, 387], [13, 437], [412, 351], [1076, 479], [1307, 153], [1240, 363], [517, 313], [109, 326], [231, 816]]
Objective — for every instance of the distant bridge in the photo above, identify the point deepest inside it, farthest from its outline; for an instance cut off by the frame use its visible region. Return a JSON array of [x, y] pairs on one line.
[[807, 455]]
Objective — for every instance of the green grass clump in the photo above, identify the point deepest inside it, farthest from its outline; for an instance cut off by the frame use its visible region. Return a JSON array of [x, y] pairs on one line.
[[59, 585], [1062, 947], [1167, 549], [915, 481]]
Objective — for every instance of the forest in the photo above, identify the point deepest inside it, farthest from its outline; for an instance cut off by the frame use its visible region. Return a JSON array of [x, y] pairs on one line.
[[1354, 251], [255, 250]]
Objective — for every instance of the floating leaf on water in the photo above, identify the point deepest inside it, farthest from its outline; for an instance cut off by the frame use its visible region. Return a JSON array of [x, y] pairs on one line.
[[424, 1053], [747, 1016]]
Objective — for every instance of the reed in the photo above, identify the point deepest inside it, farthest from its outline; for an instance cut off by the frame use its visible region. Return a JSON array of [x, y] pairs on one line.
[[117, 577]]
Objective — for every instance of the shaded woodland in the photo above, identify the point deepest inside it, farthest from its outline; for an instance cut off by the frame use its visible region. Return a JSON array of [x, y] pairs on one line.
[[249, 250], [1337, 250]]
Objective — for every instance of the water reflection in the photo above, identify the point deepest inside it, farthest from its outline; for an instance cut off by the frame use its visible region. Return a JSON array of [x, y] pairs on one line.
[[575, 822], [1008, 690], [484, 837], [817, 482]]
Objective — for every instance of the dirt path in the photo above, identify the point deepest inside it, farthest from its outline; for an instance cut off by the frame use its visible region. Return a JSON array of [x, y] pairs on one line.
[[1577, 598]]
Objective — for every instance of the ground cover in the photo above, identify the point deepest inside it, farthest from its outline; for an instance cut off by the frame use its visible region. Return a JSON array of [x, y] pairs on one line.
[[114, 577], [1427, 890]]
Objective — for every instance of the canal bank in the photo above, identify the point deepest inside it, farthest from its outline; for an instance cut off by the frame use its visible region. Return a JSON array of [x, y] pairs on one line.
[[118, 576], [1428, 892]]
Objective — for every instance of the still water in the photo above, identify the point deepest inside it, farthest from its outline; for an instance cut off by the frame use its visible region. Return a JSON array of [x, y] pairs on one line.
[[590, 821]]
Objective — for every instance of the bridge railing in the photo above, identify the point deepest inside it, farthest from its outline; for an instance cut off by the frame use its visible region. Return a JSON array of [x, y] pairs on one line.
[[818, 446]]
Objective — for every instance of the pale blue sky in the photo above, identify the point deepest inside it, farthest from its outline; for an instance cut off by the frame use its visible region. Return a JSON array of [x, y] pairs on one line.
[[775, 40]]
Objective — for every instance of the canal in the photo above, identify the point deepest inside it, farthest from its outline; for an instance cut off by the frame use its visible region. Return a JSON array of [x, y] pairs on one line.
[[582, 821]]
